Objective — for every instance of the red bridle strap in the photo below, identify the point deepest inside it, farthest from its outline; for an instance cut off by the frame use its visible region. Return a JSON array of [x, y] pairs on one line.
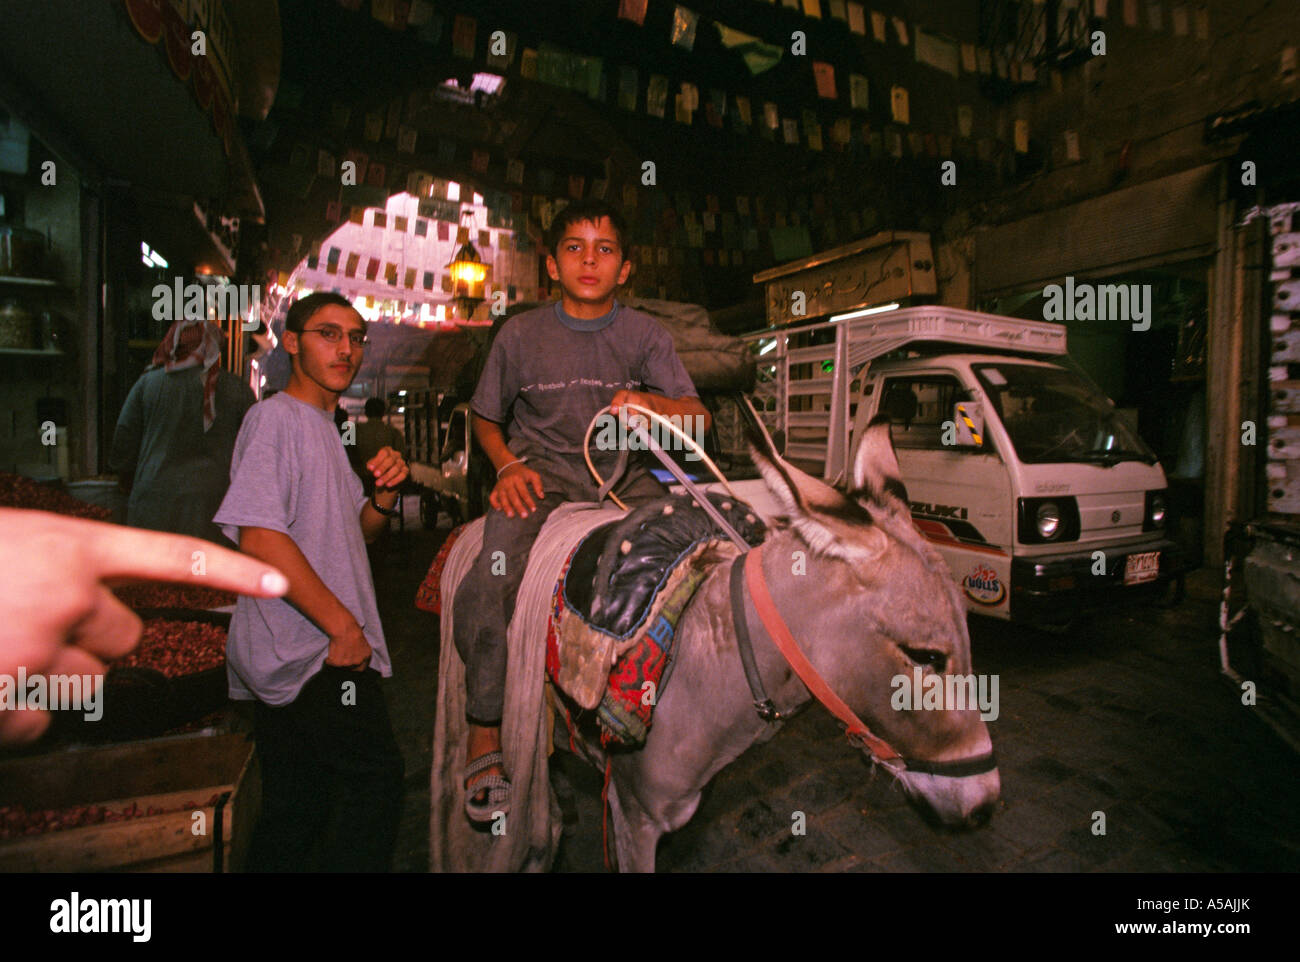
[[790, 650]]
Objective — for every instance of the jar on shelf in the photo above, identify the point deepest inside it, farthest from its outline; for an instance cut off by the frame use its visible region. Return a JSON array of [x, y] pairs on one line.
[[17, 328]]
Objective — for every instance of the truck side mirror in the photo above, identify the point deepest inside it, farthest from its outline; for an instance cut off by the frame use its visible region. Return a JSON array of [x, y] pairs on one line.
[[968, 418]]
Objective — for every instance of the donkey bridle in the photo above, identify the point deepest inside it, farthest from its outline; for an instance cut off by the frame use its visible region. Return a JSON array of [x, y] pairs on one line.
[[747, 572]]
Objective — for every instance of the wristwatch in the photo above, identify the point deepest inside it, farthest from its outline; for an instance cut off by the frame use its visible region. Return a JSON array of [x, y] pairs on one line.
[[386, 512]]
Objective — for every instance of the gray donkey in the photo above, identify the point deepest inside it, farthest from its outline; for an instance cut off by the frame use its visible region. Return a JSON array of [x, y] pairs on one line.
[[867, 599]]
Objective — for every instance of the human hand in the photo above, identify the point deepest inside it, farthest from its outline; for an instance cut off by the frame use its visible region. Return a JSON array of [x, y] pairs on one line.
[[60, 617], [389, 469], [511, 491], [349, 649], [639, 398]]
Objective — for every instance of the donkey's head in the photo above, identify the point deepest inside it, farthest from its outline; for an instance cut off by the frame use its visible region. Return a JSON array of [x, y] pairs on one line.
[[874, 607]]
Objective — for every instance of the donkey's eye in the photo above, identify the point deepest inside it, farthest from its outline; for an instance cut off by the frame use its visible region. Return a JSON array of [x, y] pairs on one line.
[[926, 657]]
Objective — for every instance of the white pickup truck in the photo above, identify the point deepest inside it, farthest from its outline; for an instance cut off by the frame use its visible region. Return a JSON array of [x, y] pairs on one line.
[[1037, 492]]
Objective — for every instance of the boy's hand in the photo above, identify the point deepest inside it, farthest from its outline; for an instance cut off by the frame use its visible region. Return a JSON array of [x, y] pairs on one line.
[[349, 649], [511, 492], [389, 469], [639, 398]]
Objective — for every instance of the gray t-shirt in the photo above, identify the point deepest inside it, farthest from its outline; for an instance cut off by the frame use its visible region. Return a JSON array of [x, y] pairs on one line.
[[290, 474], [546, 381]]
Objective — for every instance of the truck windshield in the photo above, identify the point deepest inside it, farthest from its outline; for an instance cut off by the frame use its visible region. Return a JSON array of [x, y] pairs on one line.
[[1052, 414]]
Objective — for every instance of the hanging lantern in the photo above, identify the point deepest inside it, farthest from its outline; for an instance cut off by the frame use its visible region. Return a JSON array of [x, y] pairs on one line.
[[467, 273]]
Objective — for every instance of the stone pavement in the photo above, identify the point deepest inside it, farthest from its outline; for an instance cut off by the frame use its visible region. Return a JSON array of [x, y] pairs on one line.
[[1127, 715]]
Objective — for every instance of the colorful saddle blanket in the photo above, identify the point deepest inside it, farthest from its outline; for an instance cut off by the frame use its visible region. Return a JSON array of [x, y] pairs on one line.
[[609, 643]]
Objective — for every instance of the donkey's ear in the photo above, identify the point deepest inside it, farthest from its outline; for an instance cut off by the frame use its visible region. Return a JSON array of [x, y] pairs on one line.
[[831, 524], [876, 475]]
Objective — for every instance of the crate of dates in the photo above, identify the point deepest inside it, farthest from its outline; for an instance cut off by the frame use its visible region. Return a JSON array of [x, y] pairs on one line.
[[174, 675], [181, 804]]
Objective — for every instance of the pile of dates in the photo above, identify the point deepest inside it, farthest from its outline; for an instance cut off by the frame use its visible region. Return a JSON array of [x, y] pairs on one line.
[[19, 492], [17, 821], [177, 648]]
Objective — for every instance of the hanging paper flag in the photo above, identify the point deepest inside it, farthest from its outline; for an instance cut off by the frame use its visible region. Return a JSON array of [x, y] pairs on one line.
[[629, 196], [708, 258], [1180, 20], [598, 188], [692, 95], [501, 55], [757, 55], [428, 281], [824, 75], [390, 273], [945, 145], [406, 140], [324, 163], [374, 126], [576, 184], [718, 98], [400, 224], [394, 120], [633, 10], [430, 32], [409, 279], [836, 11], [742, 205], [792, 4], [514, 171], [401, 14], [965, 119], [357, 215], [814, 132], [528, 64], [656, 96], [545, 179], [937, 52], [1130, 13], [627, 88], [900, 28], [421, 11], [681, 113], [1072, 145], [375, 175], [878, 26], [790, 129], [372, 268], [333, 211], [444, 230], [1022, 136], [858, 91], [841, 133], [446, 151], [382, 10], [983, 60], [1202, 23], [381, 219], [684, 23], [743, 110], [771, 116], [811, 8], [479, 160], [931, 145], [709, 220], [857, 18], [968, 57], [463, 31], [898, 109], [894, 143], [350, 267], [1155, 14]]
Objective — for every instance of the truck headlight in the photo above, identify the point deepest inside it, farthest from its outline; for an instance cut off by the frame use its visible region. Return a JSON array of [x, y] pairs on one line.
[[1048, 520], [1155, 511], [1041, 520]]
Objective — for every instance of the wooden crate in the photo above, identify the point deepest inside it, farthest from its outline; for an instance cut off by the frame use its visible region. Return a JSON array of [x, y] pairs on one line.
[[162, 773]]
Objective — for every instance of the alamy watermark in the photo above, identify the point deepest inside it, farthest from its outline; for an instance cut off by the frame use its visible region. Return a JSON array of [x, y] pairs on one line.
[[921, 691], [202, 302], [1093, 302], [26, 692], [615, 434]]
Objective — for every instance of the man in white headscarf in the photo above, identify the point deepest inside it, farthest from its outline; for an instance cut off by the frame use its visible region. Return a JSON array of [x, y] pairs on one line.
[[176, 433]]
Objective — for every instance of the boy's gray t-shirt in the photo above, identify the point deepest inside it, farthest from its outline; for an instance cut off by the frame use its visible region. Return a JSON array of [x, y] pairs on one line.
[[290, 474], [547, 381]]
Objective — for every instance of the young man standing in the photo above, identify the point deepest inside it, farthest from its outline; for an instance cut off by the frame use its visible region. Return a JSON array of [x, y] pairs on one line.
[[311, 662], [549, 372]]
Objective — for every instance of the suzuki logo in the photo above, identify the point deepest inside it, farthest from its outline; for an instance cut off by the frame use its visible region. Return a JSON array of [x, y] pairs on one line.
[[1114, 517]]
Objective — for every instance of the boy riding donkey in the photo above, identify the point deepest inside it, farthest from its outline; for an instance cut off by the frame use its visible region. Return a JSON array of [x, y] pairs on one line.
[[549, 372]]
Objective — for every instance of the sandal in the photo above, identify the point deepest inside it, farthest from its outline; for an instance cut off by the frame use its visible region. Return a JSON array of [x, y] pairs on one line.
[[497, 800]]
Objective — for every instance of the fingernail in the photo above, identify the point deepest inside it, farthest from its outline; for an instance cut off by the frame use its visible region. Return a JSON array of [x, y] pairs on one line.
[[275, 583]]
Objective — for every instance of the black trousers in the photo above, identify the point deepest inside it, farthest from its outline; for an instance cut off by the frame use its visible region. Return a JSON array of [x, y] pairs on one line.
[[332, 778]]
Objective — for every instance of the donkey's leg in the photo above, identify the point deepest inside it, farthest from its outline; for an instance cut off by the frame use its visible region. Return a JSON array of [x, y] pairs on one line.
[[636, 836]]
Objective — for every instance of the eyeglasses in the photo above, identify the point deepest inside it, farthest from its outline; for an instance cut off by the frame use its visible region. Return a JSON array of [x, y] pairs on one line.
[[333, 335]]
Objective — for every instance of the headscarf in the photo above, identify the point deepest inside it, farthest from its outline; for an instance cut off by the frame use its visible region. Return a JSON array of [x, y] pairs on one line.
[[194, 343]]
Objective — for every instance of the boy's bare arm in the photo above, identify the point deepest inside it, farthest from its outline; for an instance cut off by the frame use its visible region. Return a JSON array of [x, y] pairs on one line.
[[307, 593], [516, 481], [685, 407]]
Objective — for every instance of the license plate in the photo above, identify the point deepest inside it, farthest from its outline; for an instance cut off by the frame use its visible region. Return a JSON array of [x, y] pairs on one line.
[[1142, 567]]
